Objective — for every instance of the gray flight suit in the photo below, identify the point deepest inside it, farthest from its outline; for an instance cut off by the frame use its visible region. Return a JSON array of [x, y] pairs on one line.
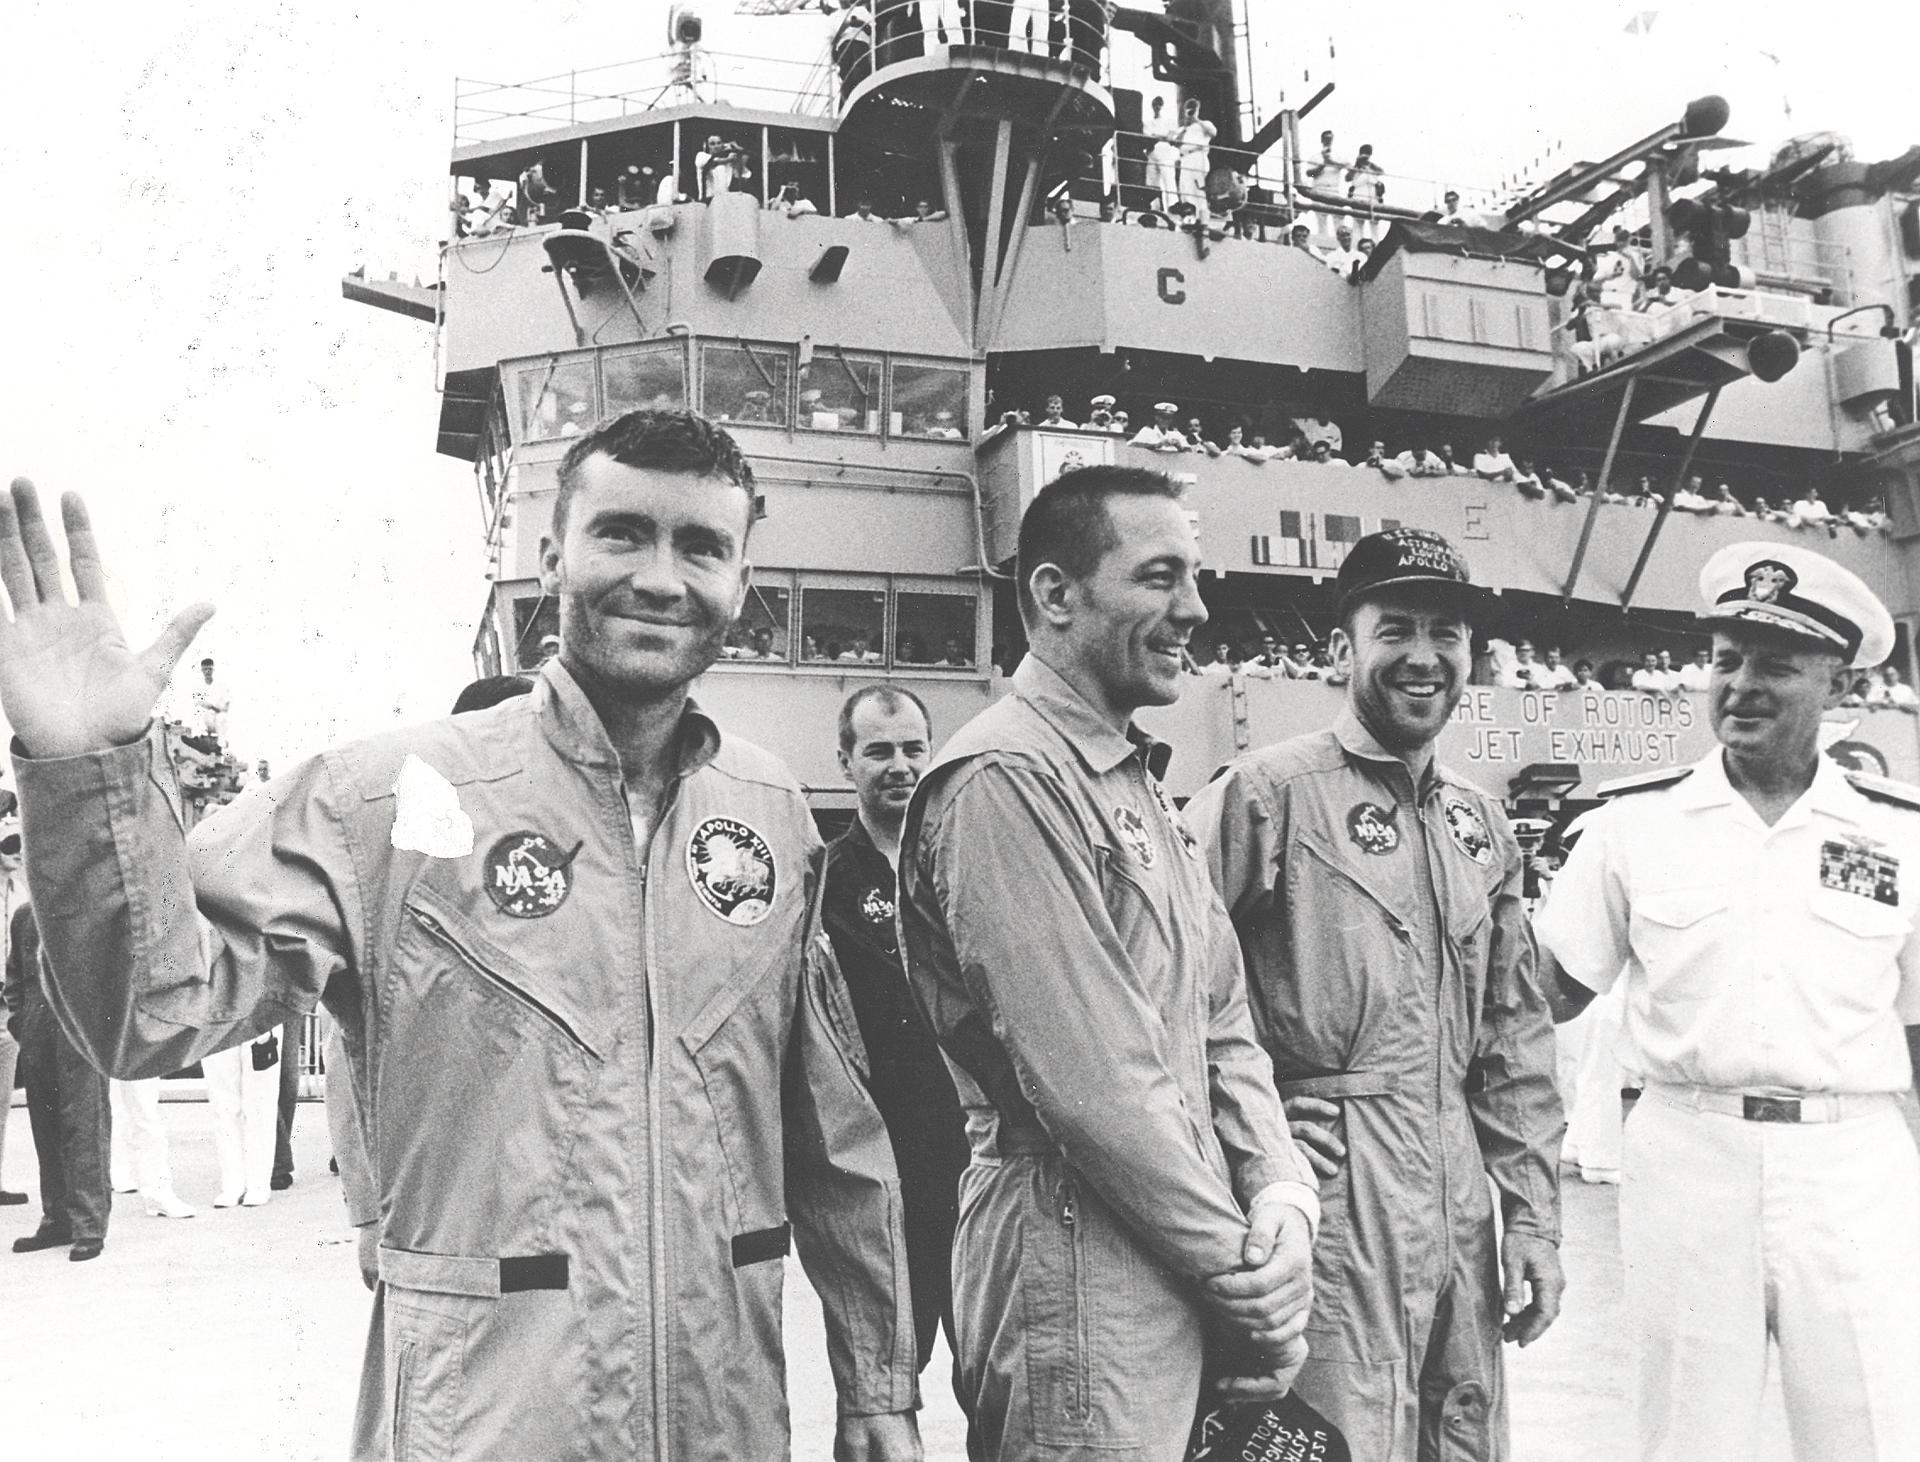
[[1391, 971], [1080, 973]]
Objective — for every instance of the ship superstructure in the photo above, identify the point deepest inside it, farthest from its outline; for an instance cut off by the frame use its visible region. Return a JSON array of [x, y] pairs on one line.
[[877, 274]]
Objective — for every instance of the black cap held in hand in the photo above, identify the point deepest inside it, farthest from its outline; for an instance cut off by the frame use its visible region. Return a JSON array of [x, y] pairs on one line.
[[1404, 556]]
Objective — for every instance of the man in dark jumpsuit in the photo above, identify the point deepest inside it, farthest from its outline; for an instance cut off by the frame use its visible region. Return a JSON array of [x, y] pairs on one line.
[[1391, 976], [885, 744], [66, 1103]]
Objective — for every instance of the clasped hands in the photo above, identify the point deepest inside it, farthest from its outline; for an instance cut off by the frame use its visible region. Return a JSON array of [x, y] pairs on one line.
[[1266, 1301]]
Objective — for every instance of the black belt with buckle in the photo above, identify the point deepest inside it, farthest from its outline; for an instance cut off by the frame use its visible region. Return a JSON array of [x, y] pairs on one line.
[[1770, 1109]]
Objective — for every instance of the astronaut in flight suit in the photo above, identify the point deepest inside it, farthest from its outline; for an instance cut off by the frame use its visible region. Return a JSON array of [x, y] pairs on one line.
[[1391, 975]]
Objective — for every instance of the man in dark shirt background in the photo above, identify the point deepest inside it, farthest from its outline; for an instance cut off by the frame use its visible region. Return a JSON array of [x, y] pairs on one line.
[[885, 744]]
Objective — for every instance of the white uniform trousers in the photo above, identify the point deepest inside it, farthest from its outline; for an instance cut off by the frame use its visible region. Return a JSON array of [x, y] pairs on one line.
[[1593, 1108], [245, 1106], [1737, 1232], [1163, 175], [139, 1152]]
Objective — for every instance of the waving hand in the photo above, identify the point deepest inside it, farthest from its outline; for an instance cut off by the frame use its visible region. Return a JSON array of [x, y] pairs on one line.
[[69, 682]]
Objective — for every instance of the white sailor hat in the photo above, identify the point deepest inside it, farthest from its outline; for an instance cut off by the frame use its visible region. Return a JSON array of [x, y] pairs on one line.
[[1800, 593], [1102, 400], [1166, 406]]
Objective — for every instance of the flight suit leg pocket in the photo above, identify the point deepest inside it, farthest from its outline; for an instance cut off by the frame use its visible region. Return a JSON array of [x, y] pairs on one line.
[[426, 1367], [1072, 1273]]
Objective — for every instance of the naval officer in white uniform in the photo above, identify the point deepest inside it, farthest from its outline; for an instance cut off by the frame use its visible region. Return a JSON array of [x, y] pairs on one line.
[[1760, 908]]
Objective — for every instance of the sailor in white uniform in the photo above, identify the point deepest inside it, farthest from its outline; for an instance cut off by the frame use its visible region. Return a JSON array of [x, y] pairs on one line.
[[1760, 908]]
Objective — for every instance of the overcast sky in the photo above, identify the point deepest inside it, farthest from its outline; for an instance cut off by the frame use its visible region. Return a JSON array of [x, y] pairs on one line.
[[188, 181]]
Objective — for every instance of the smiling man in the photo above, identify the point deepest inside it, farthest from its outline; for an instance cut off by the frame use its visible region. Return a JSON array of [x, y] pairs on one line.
[[571, 942], [885, 745], [1760, 906], [1378, 900], [1132, 1183]]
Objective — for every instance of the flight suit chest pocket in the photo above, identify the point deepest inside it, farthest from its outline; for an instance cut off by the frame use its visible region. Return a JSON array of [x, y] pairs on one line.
[[451, 983], [737, 1042], [1134, 904]]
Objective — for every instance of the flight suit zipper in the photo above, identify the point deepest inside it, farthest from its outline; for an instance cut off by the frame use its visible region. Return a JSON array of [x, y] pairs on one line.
[[1438, 914], [656, 1164], [1078, 1369], [509, 988]]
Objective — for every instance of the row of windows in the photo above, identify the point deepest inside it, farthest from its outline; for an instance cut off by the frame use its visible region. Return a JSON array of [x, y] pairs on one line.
[[841, 619], [856, 620], [842, 391]]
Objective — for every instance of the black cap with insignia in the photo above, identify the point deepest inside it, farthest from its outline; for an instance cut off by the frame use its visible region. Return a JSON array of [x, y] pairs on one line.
[[1402, 558]]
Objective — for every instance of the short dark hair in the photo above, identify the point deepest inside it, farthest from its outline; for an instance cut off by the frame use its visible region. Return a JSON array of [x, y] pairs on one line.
[[885, 690], [678, 441], [1068, 524]]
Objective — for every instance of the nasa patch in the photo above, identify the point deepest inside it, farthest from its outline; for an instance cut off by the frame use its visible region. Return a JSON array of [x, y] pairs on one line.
[[1372, 828], [876, 907], [527, 876], [1468, 830], [731, 868], [1133, 832]]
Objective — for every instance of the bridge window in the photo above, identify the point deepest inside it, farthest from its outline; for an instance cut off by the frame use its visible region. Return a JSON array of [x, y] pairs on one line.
[[935, 627], [745, 384], [764, 630], [929, 401], [651, 378], [843, 625], [555, 399], [840, 391]]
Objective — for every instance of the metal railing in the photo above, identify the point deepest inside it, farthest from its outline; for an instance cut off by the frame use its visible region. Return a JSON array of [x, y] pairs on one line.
[[488, 111]]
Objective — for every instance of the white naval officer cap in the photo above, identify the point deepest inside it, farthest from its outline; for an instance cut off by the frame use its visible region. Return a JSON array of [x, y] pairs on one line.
[[1102, 400], [1800, 593]]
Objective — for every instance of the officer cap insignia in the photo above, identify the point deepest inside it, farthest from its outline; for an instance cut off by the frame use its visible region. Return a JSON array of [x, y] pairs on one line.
[[1372, 829], [1468, 829], [1886, 789], [732, 870], [1133, 832], [1768, 580], [527, 875], [1644, 781], [876, 907]]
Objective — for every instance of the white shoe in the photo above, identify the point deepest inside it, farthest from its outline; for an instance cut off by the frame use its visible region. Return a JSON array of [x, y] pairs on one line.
[[168, 1204], [1609, 1176], [256, 1200], [227, 1200]]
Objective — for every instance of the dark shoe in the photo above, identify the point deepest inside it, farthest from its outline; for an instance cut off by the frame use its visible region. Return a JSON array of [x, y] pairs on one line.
[[42, 1238], [281, 1182], [333, 1166], [86, 1249], [11, 1200]]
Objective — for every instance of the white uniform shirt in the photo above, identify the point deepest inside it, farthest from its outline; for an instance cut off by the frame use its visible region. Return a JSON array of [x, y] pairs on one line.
[[1757, 959]]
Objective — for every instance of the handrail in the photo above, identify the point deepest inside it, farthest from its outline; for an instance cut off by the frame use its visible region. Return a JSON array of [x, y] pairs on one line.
[[487, 111]]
